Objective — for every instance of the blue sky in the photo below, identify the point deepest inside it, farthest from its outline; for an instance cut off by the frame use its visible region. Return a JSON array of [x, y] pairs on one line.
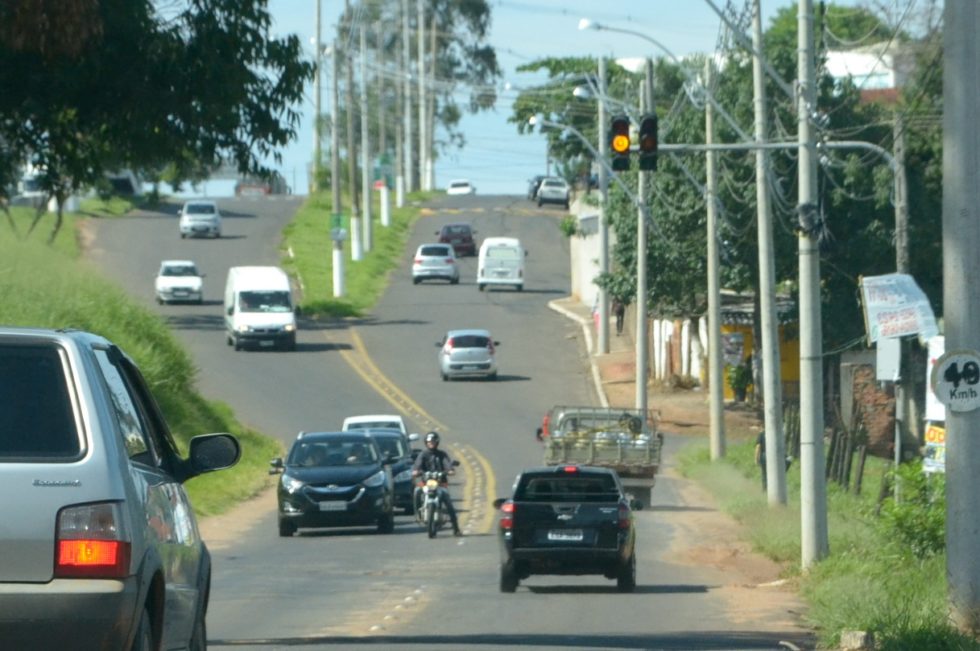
[[496, 159]]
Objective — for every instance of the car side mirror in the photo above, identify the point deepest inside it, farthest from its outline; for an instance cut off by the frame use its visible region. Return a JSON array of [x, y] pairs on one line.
[[230, 310], [497, 503], [525, 253], [496, 343], [455, 463], [390, 460], [210, 452], [636, 505], [276, 466], [413, 436], [438, 344]]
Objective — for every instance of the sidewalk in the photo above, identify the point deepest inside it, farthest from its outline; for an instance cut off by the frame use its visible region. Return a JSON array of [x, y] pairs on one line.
[[681, 411]]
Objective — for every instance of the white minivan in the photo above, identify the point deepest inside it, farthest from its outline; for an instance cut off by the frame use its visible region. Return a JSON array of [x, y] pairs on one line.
[[259, 309], [501, 262]]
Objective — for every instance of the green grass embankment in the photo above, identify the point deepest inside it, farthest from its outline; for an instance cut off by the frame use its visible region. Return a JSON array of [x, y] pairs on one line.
[[871, 580]]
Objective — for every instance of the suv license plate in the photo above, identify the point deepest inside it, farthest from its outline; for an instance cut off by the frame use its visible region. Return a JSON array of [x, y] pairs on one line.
[[333, 506], [565, 535]]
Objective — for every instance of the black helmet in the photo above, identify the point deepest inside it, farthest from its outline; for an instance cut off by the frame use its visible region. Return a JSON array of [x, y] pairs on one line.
[[432, 437]]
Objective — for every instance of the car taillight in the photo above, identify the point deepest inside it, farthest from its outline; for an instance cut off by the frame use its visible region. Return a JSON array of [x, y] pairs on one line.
[[450, 261], [570, 469], [449, 344], [92, 542], [507, 515], [544, 425], [490, 347], [418, 260], [624, 517]]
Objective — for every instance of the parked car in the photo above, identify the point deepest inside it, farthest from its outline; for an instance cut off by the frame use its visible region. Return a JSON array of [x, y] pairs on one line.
[[567, 519], [460, 236], [554, 190], [200, 218], [334, 479], [435, 261], [532, 187], [395, 444], [179, 281], [99, 544], [467, 353], [460, 186]]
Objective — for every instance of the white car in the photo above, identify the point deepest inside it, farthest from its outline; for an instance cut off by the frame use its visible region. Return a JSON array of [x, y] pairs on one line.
[[460, 186], [553, 190], [375, 421], [179, 281], [435, 261], [200, 218]]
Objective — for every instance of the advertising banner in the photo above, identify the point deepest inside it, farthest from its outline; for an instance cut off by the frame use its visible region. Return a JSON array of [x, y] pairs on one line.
[[894, 306]]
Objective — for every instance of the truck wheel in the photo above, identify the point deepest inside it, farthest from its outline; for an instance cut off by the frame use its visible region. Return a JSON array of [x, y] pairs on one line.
[[626, 578], [508, 578]]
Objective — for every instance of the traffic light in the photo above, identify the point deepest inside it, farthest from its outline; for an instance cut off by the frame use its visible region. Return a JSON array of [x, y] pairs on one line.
[[648, 142], [619, 142]]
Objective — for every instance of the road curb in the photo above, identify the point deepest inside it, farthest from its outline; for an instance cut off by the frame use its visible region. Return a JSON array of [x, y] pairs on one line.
[[589, 346]]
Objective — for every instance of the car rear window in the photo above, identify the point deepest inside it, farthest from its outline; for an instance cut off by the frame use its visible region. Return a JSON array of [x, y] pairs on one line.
[[470, 341], [502, 253], [457, 230], [435, 251], [36, 416], [598, 488]]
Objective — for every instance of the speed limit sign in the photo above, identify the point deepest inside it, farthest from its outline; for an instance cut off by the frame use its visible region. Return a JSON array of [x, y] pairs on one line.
[[955, 380]]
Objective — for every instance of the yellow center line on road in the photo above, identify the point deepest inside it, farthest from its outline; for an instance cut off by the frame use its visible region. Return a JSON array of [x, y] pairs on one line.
[[480, 488]]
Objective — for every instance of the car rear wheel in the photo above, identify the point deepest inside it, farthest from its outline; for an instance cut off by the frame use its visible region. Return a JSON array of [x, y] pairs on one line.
[[445, 378], [626, 578], [416, 281], [481, 286], [144, 634], [455, 281], [508, 578], [286, 529]]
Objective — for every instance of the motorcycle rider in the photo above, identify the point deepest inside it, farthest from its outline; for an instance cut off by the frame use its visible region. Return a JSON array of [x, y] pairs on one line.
[[432, 459]]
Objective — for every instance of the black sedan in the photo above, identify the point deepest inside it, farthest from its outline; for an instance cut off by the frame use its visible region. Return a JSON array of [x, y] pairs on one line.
[[567, 520], [334, 479], [394, 444]]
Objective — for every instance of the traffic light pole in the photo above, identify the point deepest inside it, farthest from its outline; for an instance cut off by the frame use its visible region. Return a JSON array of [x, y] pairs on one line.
[[603, 217]]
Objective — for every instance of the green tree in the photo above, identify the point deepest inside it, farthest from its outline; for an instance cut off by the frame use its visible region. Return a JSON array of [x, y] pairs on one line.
[[144, 86]]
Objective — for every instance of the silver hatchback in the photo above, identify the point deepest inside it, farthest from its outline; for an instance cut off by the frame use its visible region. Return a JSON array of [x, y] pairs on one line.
[[468, 353], [99, 548], [435, 261]]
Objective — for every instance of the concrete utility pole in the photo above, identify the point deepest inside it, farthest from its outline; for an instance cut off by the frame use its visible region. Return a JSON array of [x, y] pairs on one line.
[[420, 9], [771, 375], [430, 112], [603, 129], [813, 490], [407, 98], [716, 380], [315, 181], [399, 132], [337, 258], [642, 340], [961, 296], [355, 217], [380, 67], [366, 175]]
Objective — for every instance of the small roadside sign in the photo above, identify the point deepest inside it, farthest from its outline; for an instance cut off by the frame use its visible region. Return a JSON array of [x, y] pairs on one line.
[[955, 380]]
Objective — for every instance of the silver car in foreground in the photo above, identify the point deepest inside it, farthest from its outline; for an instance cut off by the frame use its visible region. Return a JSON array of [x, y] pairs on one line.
[[467, 353], [99, 548]]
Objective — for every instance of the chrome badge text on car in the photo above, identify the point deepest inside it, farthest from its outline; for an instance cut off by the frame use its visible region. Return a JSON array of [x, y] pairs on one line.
[[73, 483]]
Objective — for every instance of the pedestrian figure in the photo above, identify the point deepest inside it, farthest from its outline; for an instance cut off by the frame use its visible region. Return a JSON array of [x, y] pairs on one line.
[[760, 456], [620, 311]]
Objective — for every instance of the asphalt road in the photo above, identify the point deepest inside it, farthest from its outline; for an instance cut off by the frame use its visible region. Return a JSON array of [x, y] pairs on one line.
[[351, 587]]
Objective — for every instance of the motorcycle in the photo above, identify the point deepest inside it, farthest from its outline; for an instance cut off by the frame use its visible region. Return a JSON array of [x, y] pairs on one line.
[[430, 512]]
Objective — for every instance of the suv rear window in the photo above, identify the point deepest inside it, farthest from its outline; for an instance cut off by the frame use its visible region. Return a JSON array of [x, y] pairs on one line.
[[600, 488], [36, 415], [470, 341]]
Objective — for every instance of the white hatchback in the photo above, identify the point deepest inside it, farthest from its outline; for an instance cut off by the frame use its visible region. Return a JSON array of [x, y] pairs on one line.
[[460, 186], [179, 281], [435, 261]]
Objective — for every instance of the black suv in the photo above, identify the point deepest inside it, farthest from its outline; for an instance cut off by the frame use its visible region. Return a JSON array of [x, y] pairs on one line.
[[567, 520], [334, 479]]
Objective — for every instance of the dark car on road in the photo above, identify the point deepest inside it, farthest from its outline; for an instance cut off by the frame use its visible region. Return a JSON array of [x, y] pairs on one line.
[[394, 444], [460, 236], [567, 519], [334, 479], [99, 546]]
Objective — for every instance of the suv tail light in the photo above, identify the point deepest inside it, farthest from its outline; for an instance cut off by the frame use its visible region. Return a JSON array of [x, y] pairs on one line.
[[449, 344], [92, 542], [624, 516], [507, 515], [418, 261]]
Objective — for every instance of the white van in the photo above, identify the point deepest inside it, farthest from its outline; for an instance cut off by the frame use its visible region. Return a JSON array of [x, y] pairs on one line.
[[259, 308], [501, 262]]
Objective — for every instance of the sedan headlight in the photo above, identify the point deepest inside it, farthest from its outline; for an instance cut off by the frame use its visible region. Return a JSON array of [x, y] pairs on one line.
[[375, 480], [291, 484], [289, 327], [404, 475]]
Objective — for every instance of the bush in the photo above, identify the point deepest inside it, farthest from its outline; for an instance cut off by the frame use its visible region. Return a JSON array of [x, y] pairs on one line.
[[569, 225], [918, 519]]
